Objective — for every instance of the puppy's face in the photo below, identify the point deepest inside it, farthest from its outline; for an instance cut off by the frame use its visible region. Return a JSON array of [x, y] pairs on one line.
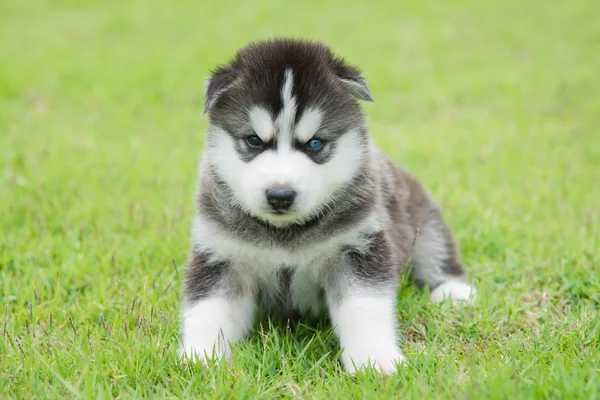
[[286, 132]]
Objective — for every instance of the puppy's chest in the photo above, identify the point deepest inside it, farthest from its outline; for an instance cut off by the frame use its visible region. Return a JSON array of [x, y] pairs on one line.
[[284, 280], [289, 283], [290, 292], [263, 263]]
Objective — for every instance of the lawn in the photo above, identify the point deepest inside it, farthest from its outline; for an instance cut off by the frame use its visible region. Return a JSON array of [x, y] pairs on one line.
[[494, 105]]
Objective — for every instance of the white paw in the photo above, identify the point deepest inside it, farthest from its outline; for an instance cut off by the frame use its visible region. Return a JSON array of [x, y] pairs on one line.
[[455, 290], [366, 326], [205, 349], [386, 361], [211, 324]]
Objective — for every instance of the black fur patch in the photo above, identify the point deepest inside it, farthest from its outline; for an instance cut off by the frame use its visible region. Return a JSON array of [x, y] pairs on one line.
[[373, 264], [453, 267], [204, 277], [248, 153], [256, 75], [277, 301], [259, 70], [319, 156]]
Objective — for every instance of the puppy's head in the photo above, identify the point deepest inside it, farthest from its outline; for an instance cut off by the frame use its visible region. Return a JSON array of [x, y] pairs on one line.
[[286, 131]]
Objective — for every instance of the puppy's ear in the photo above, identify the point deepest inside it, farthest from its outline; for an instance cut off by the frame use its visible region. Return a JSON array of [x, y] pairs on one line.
[[219, 81], [352, 80]]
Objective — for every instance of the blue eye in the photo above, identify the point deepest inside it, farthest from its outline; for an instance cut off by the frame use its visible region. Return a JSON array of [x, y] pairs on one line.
[[314, 144], [254, 141]]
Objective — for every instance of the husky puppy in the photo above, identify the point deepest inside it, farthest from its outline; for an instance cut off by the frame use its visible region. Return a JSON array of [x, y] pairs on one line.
[[298, 212]]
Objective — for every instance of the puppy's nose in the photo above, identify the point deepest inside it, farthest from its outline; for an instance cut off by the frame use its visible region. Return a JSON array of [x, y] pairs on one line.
[[280, 198]]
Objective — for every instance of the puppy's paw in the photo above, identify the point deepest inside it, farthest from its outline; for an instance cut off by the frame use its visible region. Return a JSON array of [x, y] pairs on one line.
[[456, 290], [210, 326], [205, 349], [385, 360]]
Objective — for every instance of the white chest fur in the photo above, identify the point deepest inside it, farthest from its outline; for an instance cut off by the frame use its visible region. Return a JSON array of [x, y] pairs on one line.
[[260, 265], [209, 238]]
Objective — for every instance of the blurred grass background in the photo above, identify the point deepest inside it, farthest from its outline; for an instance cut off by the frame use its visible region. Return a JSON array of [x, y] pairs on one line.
[[494, 105]]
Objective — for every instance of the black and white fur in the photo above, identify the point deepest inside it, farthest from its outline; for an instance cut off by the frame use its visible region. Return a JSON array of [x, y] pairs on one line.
[[339, 246]]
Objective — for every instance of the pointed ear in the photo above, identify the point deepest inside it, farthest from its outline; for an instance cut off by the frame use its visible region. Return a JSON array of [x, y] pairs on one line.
[[352, 80], [216, 84]]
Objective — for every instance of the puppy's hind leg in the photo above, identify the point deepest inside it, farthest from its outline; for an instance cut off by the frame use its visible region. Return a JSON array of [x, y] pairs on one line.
[[435, 262]]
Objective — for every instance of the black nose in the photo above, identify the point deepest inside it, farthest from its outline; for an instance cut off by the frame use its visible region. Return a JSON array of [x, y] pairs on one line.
[[280, 198]]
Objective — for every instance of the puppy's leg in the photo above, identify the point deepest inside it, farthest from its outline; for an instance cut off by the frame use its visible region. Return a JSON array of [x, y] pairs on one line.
[[435, 262], [216, 312], [361, 297]]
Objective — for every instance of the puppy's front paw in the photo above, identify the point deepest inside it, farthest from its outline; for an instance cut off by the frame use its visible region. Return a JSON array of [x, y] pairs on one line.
[[384, 359], [211, 324], [205, 348], [366, 326]]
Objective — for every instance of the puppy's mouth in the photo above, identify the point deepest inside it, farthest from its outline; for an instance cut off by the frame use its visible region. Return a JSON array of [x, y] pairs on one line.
[[281, 217], [279, 212]]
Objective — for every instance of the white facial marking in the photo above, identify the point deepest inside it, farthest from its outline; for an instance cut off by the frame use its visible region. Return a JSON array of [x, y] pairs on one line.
[[211, 324], [309, 124], [262, 123], [285, 119], [222, 155], [366, 326], [288, 83]]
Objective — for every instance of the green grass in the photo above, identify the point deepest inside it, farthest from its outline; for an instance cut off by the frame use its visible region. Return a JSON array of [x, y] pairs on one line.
[[495, 105]]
